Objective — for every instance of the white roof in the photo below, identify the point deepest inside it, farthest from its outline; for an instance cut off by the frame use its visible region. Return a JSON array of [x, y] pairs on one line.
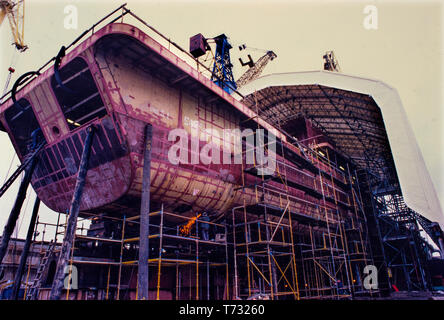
[[416, 185]]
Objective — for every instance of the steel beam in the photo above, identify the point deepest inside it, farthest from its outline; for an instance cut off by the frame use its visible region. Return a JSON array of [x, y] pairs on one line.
[[62, 263], [25, 252], [143, 276], [15, 212]]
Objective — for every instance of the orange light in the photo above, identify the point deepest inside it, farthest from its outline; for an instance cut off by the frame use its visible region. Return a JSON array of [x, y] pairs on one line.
[[186, 229]]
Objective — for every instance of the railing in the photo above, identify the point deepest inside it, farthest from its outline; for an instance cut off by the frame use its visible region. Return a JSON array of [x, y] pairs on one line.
[[115, 16]]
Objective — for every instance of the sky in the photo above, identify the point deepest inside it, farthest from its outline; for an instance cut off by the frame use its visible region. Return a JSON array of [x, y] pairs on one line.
[[404, 51]]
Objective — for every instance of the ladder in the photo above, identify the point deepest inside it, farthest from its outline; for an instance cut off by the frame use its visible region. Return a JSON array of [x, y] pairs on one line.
[[33, 290]]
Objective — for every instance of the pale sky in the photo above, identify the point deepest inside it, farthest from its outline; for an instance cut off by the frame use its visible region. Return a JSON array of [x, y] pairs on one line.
[[406, 52]]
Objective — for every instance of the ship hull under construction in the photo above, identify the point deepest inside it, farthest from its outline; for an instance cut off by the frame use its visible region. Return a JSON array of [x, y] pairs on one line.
[[119, 80], [208, 221]]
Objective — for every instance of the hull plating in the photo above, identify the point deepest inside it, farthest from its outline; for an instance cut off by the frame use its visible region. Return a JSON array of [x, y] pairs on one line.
[[141, 82]]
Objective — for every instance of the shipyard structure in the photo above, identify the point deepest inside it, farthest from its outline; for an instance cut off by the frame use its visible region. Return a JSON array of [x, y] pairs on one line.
[[326, 195]]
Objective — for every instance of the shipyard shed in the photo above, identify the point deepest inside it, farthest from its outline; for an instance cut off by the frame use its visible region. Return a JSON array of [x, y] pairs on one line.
[[348, 191], [365, 119]]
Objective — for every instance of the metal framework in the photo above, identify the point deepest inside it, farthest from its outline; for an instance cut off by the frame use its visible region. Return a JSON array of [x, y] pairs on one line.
[[330, 62], [15, 11], [222, 69], [182, 266], [290, 246], [353, 124], [281, 246], [255, 69], [403, 246]]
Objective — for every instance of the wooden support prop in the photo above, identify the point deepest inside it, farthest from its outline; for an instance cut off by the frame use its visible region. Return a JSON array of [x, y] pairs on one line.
[[62, 263], [25, 252], [15, 212], [142, 279]]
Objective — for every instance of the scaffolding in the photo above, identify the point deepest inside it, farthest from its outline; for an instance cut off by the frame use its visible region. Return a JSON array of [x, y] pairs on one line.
[[334, 253], [404, 248], [40, 247], [300, 233], [303, 245], [181, 265]]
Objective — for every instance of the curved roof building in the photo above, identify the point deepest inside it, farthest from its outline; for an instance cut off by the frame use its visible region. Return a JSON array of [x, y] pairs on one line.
[[364, 118]]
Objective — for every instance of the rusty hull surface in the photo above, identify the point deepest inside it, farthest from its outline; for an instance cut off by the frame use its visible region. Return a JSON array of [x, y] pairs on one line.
[[142, 82]]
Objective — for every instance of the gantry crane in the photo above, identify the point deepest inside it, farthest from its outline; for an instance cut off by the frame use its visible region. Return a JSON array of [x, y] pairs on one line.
[[15, 11], [222, 67], [255, 69], [222, 73], [330, 62]]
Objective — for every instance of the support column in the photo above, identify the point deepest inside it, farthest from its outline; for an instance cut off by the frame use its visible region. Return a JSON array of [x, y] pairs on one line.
[[143, 277], [62, 263], [15, 212], [24, 256]]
